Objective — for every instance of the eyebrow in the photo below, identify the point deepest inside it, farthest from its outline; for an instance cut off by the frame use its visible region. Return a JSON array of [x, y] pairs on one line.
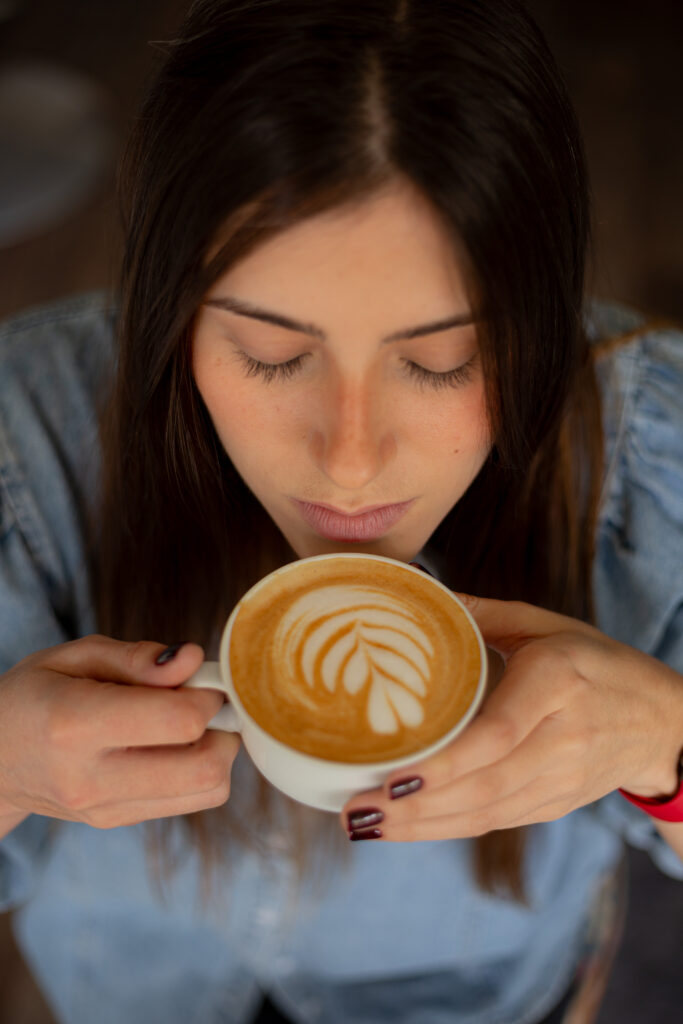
[[242, 308]]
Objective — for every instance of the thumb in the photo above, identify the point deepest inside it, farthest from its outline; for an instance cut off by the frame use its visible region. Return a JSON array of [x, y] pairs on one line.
[[506, 626], [174, 665], [103, 658]]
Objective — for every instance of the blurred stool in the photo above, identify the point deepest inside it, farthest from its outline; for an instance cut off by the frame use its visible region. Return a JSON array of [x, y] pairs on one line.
[[57, 145]]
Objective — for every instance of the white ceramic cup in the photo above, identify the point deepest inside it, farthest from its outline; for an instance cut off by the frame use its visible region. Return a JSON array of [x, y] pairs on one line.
[[326, 785]]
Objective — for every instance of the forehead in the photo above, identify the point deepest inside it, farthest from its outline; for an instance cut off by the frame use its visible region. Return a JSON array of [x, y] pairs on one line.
[[390, 254]]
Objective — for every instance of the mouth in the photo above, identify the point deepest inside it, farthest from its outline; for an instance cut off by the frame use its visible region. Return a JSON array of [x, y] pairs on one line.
[[368, 524]]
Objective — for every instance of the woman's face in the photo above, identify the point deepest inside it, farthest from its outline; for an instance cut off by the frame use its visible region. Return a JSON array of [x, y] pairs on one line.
[[339, 410]]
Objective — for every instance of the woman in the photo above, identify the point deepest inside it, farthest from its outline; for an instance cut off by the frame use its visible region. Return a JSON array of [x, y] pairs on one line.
[[353, 277]]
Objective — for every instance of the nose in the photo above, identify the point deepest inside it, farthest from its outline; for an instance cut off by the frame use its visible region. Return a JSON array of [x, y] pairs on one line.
[[353, 439]]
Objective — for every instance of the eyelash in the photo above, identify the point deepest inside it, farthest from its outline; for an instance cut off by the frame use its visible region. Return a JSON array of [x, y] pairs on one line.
[[283, 371]]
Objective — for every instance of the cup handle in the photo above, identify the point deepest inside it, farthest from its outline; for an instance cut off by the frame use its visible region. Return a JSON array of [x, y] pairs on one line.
[[496, 667], [208, 677]]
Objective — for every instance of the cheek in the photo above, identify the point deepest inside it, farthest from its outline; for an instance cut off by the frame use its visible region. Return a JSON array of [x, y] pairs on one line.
[[242, 424], [458, 429], [252, 428], [233, 414]]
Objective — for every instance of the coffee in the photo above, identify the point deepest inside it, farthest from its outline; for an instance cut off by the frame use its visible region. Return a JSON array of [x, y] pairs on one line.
[[353, 659]]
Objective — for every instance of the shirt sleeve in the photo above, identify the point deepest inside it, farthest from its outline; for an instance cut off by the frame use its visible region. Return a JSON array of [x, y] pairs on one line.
[[29, 620], [639, 574], [43, 575], [28, 624]]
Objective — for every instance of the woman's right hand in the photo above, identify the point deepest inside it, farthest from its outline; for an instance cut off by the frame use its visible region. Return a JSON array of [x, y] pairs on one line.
[[94, 731]]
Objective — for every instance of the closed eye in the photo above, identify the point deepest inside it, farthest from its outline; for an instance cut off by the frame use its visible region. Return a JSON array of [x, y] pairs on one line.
[[457, 377], [451, 378], [271, 371]]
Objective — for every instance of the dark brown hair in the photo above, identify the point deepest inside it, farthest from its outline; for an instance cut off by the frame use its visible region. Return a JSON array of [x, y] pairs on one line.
[[266, 112]]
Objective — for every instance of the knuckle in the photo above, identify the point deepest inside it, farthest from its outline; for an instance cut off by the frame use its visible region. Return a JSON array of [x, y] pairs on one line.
[[97, 638], [224, 789], [104, 818], [62, 729], [217, 796], [136, 656], [74, 796], [471, 601], [192, 722], [185, 721], [578, 687], [503, 735], [552, 660], [211, 771], [566, 657]]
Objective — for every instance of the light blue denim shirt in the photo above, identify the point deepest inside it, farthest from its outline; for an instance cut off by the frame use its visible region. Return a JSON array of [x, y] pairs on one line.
[[401, 933]]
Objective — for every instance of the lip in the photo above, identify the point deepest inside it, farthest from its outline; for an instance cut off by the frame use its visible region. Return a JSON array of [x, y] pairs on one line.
[[370, 523]]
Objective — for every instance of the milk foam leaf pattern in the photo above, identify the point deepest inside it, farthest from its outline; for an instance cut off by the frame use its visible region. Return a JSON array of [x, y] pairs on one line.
[[364, 641], [354, 670]]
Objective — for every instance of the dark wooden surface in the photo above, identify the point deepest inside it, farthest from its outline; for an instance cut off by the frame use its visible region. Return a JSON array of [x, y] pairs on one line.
[[622, 62]]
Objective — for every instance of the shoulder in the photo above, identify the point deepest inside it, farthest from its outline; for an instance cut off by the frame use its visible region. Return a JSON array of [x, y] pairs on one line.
[[640, 528], [55, 364], [57, 347], [639, 365]]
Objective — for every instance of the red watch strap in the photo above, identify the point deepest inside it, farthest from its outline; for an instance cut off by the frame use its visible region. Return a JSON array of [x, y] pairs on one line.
[[665, 810]]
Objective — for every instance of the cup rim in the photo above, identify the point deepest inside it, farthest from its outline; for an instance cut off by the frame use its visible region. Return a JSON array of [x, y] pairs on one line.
[[386, 765]]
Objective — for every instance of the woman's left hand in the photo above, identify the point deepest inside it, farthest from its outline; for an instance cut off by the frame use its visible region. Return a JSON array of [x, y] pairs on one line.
[[574, 716]]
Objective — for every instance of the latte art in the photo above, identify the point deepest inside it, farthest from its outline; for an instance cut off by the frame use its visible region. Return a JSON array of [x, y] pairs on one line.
[[353, 659], [365, 641]]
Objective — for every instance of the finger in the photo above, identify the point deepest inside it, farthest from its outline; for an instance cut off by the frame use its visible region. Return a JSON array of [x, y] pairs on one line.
[[530, 691], [132, 812], [455, 812], [93, 715], [508, 625], [443, 779], [101, 657], [545, 766], [523, 807], [158, 773]]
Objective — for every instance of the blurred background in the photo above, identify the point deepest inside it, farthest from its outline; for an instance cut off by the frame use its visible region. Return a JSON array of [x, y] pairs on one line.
[[70, 76]]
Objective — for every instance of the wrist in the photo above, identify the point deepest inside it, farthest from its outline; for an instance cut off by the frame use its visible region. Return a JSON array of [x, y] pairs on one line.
[[661, 774], [667, 806], [662, 785]]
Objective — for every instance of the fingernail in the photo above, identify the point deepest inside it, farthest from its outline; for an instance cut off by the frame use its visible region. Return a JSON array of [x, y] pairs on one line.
[[364, 818], [416, 565], [405, 786], [169, 653], [368, 833]]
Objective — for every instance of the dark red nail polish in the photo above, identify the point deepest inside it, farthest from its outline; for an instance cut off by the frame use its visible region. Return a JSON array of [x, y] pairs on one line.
[[364, 817], [368, 833], [169, 653], [405, 786]]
